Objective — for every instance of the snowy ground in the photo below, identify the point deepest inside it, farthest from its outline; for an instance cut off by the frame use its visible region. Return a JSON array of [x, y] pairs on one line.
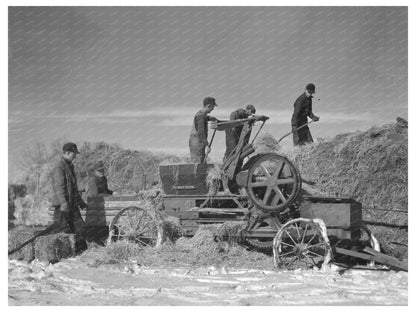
[[73, 282]]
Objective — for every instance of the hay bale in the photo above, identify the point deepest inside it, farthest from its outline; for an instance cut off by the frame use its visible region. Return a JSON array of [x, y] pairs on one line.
[[54, 247], [18, 236]]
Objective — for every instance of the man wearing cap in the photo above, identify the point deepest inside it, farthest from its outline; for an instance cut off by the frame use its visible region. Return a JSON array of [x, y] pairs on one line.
[[232, 135], [198, 142], [66, 198], [303, 110], [98, 185]]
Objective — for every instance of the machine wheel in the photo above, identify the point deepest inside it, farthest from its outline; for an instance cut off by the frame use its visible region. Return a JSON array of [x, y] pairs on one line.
[[134, 224], [271, 224], [302, 243], [273, 182]]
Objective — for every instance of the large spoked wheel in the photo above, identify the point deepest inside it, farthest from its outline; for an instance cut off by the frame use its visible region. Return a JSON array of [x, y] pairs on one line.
[[262, 232], [273, 182], [302, 243], [136, 225]]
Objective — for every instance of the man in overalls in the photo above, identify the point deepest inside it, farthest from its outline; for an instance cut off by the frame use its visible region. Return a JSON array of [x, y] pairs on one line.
[[198, 140]]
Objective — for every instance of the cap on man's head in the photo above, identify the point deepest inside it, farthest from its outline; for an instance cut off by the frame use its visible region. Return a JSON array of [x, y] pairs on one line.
[[209, 100], [70, 147], [310, 87], [99, 165], [252, 108]]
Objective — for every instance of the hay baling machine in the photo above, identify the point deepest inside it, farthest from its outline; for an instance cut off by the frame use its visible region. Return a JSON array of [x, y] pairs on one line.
[[263, 190]]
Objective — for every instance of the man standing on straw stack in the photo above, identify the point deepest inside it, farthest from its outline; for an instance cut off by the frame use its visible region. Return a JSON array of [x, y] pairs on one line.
[[303, 110]]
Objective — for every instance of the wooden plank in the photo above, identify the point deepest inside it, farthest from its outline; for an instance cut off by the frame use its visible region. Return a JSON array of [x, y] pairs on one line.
[[353, 253], [177, 204], [388, 260], [190, 215], [374, 256], [122, 198]]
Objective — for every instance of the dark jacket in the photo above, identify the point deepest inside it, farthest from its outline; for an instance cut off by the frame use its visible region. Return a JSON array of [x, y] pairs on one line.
[[302, 110], [232, 136], [238, 114], [98, 186], [64, 185], [200, 127]]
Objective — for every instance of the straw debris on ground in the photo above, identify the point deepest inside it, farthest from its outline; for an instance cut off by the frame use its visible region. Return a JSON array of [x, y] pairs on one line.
[[203, 249]]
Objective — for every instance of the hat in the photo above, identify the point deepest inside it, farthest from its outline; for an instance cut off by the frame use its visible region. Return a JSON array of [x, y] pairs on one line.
[[209, 100], [252, 108], [99, 165], [310, 87], [70, 147]]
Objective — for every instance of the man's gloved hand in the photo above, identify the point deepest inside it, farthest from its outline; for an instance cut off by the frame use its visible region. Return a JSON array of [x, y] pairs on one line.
[[64, 208], [207, 149], [261, 118], [315, 118]]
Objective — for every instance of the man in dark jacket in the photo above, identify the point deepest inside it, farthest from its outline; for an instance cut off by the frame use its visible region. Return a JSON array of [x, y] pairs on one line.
[[97, 189], [232, 135], [98, 185], [66, 198], [303, 110], [198, 140]]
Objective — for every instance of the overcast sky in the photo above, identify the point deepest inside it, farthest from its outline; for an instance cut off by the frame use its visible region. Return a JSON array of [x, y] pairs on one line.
[[137, 75]]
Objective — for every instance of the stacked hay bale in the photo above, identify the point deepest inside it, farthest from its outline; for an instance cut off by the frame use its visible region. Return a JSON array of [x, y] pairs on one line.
[[54, 247], [369, 166], [18, 236], [48, 248]]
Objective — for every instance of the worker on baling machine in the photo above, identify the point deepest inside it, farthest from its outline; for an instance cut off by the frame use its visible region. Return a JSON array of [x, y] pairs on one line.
[[198, 140], [233, 135]]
